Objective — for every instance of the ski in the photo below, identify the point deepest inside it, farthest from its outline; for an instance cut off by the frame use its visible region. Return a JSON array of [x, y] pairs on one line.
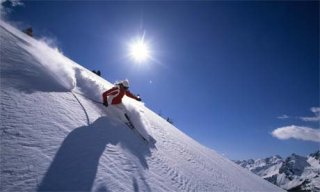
[[132, 127]]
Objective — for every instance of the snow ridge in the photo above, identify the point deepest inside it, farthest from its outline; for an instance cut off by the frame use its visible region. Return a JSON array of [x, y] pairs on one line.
[[55, 136], [292, 173]]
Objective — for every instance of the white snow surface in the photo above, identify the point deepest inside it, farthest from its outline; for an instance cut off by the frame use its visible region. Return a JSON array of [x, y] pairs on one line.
[[54, 137]]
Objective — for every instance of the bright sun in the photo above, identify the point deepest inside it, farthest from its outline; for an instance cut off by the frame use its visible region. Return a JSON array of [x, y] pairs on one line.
[[139, 50]]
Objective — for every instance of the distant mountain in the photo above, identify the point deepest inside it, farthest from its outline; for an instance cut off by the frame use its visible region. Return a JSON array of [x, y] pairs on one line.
[[294, 173]]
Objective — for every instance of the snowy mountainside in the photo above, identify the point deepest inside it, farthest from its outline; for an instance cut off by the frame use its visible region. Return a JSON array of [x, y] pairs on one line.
[[263, 167], [294, 173], [56, 137]]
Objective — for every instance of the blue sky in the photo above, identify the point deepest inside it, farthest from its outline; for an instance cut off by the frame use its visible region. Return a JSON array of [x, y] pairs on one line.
[[223, 71]]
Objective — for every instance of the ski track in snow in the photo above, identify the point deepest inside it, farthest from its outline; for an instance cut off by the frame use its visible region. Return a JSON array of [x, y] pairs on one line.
[[54, 136]]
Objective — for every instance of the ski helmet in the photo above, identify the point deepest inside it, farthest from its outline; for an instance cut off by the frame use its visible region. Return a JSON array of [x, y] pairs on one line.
[[125, 83]]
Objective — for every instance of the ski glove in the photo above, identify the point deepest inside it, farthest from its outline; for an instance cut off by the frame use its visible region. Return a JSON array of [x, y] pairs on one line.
[[138, 98]]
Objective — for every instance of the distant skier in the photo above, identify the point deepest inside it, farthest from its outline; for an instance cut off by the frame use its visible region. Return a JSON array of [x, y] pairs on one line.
[[97, 72], [114, 95], [29, 31]]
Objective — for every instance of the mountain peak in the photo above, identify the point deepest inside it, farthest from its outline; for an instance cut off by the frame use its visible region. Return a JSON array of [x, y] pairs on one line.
[[315, 155], [291, 173]]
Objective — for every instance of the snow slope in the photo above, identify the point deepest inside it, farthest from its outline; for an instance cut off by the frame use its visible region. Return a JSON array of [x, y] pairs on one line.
[[53, 138]]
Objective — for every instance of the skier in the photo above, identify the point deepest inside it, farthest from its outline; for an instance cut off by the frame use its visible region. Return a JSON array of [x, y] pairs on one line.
[[97, 72], [28, 31], [114, 95]]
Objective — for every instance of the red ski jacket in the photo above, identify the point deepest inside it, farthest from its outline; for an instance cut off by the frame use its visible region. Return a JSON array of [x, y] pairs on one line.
[[117, 94]]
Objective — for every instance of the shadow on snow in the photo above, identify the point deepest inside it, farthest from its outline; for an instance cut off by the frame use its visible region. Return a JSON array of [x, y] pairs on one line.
[[75, 165]]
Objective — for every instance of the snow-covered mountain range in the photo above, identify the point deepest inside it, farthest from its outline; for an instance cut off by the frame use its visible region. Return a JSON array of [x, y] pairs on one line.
[[56, 136], [294, 173]]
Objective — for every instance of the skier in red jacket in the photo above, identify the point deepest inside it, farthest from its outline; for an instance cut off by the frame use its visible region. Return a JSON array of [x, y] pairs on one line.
[[114, 95]]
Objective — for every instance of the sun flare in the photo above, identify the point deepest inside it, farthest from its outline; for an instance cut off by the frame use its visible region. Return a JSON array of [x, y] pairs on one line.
[[139, 50]]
